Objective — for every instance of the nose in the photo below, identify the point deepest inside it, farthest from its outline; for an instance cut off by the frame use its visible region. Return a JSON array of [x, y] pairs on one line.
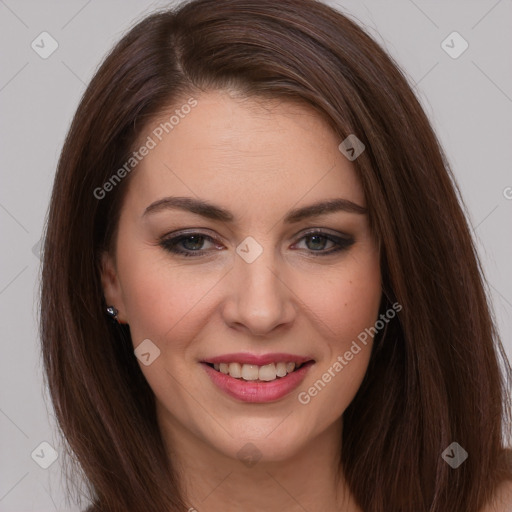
[[259, 300]]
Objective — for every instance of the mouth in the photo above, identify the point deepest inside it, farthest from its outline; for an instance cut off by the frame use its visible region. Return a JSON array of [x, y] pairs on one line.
[[256, 373], [257, 378]]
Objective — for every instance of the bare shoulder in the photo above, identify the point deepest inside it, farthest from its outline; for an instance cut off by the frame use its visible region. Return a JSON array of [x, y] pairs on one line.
[[502, 499]]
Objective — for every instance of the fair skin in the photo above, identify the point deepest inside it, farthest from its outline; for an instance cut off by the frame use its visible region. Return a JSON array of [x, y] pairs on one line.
[[258, 161], [502, 501]]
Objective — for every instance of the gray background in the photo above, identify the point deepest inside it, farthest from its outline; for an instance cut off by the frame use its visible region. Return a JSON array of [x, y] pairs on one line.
[[468, 99]]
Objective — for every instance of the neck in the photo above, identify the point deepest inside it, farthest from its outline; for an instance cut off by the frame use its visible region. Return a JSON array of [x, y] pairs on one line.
[[311, 479]]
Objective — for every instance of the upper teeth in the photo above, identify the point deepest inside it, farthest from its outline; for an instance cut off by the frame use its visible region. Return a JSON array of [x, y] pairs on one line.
[[254, 372]]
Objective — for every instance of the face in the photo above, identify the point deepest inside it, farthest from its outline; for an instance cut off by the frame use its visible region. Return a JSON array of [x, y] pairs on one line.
[[244, 304]]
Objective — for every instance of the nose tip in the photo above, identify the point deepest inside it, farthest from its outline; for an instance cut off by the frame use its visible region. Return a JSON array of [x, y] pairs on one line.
[[259, 301], [260, 314]]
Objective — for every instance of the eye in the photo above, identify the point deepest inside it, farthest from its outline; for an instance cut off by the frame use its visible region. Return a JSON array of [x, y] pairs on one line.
[[187, 245], [317, 242]]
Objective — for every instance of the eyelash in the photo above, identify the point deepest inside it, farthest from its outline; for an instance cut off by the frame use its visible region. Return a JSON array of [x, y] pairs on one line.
[[170, 244]]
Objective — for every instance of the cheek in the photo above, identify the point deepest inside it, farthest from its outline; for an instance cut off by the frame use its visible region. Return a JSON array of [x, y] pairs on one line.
[[161, 297], [346, 306], [344, 300]]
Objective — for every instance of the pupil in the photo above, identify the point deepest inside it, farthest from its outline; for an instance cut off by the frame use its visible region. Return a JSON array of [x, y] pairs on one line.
[[194, 245], [319, 239]]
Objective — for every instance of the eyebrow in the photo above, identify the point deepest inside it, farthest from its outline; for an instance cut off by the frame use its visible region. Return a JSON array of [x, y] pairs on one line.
[[211, 211]]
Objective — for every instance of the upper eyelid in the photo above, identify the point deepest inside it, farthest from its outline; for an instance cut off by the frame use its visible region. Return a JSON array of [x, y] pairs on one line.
[[177, 237], [302, 233]]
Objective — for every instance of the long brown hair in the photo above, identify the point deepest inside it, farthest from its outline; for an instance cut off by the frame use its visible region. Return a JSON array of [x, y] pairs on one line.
[[434, 379]]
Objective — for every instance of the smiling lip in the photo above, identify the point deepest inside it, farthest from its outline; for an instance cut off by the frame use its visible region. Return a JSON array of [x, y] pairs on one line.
[[257, 391], [259, 360]]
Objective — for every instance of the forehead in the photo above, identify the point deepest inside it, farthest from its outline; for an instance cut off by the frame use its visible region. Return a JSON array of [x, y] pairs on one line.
[[243, 152]]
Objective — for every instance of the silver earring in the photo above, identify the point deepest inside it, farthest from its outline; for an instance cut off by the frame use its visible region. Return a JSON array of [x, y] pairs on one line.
[[112, 313]]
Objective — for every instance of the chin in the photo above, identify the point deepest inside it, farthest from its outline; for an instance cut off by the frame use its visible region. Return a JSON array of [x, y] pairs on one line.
[[259, 443]]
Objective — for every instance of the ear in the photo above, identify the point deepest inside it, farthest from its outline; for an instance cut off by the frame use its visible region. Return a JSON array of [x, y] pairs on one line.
[[111, 286]]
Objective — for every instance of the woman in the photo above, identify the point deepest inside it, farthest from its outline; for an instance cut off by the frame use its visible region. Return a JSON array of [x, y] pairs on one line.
[[259, 290]]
